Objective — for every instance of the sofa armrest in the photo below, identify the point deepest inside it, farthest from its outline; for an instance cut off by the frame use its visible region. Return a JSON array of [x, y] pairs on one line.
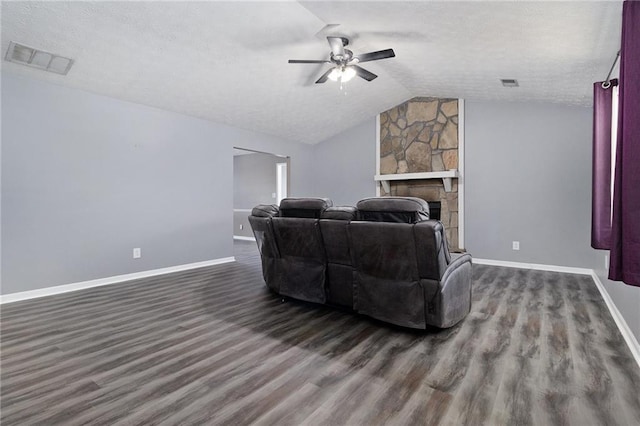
[[455, 291], [457, 259]]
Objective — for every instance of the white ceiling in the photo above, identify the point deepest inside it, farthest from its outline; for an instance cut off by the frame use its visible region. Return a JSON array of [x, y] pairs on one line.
[[227, 61]]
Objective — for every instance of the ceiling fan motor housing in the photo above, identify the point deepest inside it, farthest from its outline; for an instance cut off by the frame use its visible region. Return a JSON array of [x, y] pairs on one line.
[[345, 62], [342, 60]]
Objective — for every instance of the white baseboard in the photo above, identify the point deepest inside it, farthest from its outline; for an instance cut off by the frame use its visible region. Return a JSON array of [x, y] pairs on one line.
[[536, 266], [50, 291], [628, 336], [241, 238], [631, 340]]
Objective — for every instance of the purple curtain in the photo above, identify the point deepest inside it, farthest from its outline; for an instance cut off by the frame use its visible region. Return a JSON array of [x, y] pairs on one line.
[[625, 228], [601, 177]]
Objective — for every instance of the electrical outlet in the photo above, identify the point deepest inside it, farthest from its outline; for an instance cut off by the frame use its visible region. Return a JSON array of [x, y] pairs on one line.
[[515, 245], [273, 195], [241, 226], [137, 253]]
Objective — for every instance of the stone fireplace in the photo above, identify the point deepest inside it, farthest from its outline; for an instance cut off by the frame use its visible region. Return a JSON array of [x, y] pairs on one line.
[[419, 156]]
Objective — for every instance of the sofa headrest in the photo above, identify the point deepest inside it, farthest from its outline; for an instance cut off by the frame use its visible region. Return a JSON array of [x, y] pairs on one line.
[[265, 210], [393, 209], [340, 213], [304, 207]]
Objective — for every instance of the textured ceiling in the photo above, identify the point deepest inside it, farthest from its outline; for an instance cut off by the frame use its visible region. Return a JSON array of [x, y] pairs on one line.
[[227, 61]]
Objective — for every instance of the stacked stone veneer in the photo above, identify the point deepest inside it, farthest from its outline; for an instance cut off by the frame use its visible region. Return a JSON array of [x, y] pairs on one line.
[[421, 135]]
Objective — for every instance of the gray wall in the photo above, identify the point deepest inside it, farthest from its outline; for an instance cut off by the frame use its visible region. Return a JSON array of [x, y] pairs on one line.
[[254, 182], [86, 178], [528, 178], [241, 225], [254, 179], [541, 156], [345, 165]]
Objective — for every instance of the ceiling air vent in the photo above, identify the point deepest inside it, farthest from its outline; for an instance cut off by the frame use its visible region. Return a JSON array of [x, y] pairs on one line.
[[509, 82], [39, 59]]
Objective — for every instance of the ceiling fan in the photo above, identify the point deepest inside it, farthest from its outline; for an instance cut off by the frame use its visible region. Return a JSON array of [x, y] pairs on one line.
[[345, 62]]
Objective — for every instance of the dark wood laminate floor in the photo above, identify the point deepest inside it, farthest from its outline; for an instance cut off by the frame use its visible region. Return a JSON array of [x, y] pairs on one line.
[[213, 346]]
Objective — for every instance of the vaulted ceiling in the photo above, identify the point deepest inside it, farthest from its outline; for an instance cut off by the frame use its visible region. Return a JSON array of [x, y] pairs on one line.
[[227, 61]]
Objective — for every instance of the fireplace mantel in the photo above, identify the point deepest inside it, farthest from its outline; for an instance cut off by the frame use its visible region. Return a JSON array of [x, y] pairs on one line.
[[446, 177]]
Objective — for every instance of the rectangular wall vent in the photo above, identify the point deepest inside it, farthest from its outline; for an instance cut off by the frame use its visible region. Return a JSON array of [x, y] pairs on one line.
[[509, 82], [25, 55]]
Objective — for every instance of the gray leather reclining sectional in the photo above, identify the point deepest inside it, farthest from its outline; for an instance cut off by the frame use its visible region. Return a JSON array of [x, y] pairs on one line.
[[384, 258]]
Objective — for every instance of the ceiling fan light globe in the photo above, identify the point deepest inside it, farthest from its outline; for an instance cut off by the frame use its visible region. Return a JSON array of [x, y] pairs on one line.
[[347, 74], [335, 74]]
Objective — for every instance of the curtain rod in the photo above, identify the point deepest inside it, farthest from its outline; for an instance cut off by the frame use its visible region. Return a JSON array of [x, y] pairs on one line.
[[607, 81]]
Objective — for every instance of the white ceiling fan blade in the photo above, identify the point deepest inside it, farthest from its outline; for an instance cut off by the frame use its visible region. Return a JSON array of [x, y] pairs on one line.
[[337, 46]]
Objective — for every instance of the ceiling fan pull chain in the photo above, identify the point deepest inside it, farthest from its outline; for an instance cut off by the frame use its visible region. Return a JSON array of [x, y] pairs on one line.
[[343, 87]]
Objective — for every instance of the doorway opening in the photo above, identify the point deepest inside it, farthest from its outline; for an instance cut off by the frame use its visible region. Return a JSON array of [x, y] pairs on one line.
[[281, 182], [258, 178]]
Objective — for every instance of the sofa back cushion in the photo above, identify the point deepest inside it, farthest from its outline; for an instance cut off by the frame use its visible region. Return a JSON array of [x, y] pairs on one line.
[[393, 209], [303, 260], [384, 250], [333, 226], [388, 285], [265, 210], [298, 237], [304, 207]]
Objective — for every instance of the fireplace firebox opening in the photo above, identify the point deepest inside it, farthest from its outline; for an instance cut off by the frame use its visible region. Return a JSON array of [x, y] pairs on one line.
[[434, 209]]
